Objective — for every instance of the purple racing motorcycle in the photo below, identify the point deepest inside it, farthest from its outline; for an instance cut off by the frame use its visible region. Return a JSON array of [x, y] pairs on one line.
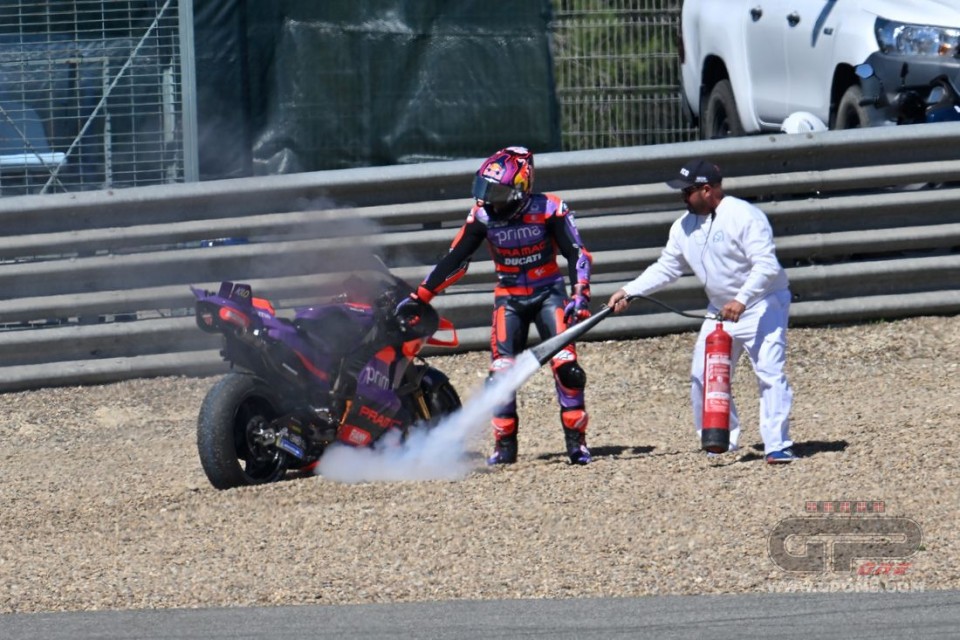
[[346, 370]]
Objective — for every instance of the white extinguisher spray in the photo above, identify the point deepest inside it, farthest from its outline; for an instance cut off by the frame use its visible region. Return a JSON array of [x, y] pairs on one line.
[[715, 436]]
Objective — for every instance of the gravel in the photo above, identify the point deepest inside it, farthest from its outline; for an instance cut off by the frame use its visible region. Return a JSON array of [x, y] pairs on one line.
[[105, 505]]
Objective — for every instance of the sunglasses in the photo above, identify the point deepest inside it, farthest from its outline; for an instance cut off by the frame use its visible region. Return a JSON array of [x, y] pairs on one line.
[[689, 191]]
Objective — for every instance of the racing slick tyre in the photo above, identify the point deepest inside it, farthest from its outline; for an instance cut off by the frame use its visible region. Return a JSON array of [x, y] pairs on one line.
[[234, 409], [442, 399]]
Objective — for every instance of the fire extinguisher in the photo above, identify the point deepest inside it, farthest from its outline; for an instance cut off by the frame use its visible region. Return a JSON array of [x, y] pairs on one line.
[[715, 436]]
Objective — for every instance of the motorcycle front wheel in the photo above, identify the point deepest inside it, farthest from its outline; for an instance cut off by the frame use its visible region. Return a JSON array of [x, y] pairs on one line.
[[441, 397], [233, 410]]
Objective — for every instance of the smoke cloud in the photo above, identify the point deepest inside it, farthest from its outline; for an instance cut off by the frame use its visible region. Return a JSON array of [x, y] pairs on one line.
[[440, 453]]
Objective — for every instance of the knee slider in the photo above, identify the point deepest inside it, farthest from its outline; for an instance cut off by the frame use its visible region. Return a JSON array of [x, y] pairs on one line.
[[571, 376]]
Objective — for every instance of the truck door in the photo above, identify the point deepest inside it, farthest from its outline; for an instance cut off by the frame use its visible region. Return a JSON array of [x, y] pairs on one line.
[[810, 43], [766, 56]]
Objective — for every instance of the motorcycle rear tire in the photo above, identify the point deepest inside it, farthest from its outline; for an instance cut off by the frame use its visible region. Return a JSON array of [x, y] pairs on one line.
[[235, 405]]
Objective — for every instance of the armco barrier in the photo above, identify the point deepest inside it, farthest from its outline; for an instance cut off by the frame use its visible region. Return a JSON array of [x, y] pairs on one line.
[[96, 284]]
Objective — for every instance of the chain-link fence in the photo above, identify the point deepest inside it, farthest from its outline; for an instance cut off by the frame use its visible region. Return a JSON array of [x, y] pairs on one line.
[[90, 94], [92, 91], [617, 73]]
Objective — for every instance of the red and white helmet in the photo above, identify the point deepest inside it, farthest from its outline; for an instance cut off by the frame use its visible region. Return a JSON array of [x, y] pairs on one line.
[[504, 182]]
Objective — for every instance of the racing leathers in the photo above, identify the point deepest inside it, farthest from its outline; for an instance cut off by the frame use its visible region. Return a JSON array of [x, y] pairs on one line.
[[530, 289]]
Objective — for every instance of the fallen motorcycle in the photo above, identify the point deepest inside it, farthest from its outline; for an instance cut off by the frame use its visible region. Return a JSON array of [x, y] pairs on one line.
[[292, 390]]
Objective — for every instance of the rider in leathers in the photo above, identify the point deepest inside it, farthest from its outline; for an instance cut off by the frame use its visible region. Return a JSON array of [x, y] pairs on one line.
[[525, 231]]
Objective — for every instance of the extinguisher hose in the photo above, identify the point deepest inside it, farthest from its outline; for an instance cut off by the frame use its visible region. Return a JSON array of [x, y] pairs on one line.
[[707, 316]]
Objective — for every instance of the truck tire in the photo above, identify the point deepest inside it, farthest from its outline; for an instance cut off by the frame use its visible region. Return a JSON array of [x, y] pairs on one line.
[[850, 113], [719, 114]]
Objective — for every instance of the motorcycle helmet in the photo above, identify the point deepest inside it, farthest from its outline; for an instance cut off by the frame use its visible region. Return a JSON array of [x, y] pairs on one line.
[[504, 182], [802, 122]]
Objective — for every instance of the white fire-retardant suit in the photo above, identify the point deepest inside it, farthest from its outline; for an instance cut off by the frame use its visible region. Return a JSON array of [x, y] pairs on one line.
[[732, 253]]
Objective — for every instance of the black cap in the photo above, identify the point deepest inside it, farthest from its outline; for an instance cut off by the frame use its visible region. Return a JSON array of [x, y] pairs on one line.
[[696, 173]]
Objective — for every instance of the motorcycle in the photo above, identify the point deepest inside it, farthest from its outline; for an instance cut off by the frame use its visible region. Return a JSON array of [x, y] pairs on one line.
[[299, 384], [934, 100]]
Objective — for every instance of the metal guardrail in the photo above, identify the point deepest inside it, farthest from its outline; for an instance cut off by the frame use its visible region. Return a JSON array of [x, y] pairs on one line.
[[862, 237]]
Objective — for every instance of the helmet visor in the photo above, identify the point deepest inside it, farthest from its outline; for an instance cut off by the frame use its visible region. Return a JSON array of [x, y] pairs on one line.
[[494, 193]]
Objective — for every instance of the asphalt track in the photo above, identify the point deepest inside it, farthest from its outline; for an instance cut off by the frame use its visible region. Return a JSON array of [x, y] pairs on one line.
[[828, 616]]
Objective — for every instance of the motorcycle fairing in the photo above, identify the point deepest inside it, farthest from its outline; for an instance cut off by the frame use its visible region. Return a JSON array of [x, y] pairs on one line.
[[377, 407]]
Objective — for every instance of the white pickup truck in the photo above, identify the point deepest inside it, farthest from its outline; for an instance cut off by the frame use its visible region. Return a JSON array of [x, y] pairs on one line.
[[748, 64]]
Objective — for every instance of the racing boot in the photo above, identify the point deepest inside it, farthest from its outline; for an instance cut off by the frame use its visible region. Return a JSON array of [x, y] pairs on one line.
[[575, 433], [504, 450], [577, 447], [505, 440]]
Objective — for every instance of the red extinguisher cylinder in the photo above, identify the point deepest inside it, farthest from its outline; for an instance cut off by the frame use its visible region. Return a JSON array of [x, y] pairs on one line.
[[715, 435]]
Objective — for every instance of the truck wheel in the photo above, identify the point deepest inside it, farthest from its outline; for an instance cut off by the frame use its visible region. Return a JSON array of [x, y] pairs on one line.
[[850, 113], [719, 115]]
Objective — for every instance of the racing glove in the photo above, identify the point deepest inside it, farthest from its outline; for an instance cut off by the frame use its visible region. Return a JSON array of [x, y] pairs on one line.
[[407, 311], [579, 306]]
